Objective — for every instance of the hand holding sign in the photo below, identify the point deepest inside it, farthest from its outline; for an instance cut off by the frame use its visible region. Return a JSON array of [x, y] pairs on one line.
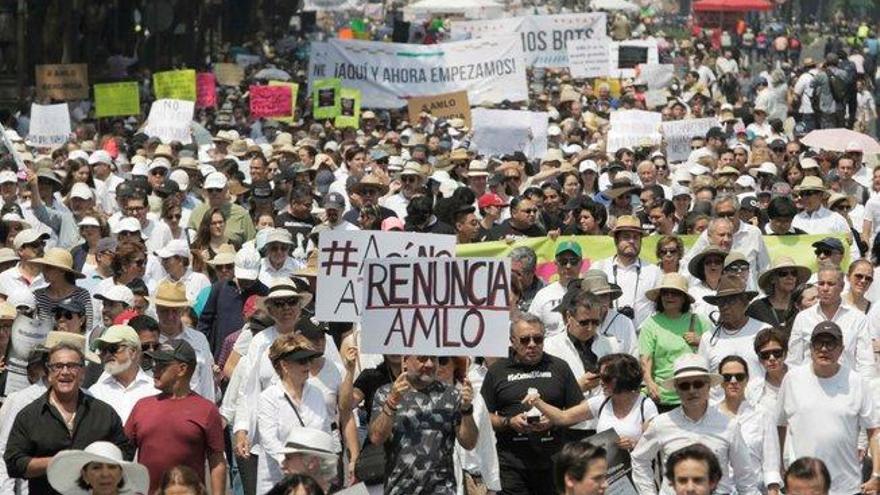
[[467, 394], [399, 389]]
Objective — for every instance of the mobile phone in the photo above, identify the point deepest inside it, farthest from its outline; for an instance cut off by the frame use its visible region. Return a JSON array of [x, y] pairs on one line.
[[533, 419]]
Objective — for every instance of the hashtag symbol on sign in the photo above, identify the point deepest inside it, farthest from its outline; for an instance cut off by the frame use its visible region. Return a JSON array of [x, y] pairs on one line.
[[346, 251]]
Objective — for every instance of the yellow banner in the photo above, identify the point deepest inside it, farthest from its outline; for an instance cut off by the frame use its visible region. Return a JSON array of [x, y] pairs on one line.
[[175, 85]]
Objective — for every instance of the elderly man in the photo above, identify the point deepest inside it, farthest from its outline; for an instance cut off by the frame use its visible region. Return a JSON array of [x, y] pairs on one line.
[[123, 382], [746, 238], [815, 217], [412, 179], [277, 261], [176, 259], [695, 422], [239, 226], [827, 405], [523, 262], [568, 265]]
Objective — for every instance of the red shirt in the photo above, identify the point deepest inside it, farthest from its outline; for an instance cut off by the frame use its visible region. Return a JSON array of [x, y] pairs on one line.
[[169, 432]]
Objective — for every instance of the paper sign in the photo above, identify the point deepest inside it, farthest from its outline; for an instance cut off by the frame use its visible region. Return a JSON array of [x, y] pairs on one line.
[[63, 81], [341, 256], [206, 90], [117, 99], [678, 135], [633, 129], [500, 132], [625, 56], [175, 85], [229, 74], [26, 334], [446, 106], [349, 109], [325, 98], [656, 76], [170, 120], [50, 125], [589, 57], [436, 306], [270, 101], [294, 92]]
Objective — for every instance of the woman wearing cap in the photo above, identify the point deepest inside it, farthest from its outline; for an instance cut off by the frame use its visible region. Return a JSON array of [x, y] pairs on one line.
[[99, 469], [91, 228], [58, 271], [674, 330], [291, 402], [860, 276], [778, 307]]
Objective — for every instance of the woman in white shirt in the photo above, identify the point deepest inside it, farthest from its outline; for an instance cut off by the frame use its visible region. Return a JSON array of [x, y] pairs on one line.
[[620, 406], [291, 402]]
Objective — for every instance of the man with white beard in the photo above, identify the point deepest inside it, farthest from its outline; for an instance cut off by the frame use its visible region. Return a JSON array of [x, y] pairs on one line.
[[123, 382]]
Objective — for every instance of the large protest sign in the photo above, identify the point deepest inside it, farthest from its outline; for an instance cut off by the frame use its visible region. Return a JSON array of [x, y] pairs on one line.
[[446, 106], [175, 85], [50, 125], [349, 109], [619, 463], [633, 128], [436, 306], [229, 74], [62, 81], [333, 5], [341, 256], [206, 90], [543, 37], [589, 57], [678, 134], [656, 76], [270, 101], [500, 132], [117, 99], [170, 120], [294, 92], [490, 70], [26, 334], [326, 101], [625, 56]]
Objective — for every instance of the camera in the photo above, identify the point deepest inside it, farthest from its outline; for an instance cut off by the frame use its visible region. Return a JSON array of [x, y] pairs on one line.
[[627, 311]]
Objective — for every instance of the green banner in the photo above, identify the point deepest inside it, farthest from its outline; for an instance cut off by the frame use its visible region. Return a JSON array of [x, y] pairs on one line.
[[326, 98], [175, 85], [117, 99], [349, 109]]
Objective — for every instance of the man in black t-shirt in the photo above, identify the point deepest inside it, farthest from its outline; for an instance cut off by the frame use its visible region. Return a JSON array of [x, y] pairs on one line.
[[521, 224], [298, 218], [526, 446]]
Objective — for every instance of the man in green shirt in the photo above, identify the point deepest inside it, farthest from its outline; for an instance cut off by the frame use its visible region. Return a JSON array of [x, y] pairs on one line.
[[239, 226]]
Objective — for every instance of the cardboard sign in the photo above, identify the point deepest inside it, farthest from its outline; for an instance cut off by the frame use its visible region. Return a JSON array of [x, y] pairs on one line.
[[349, 109], [656, 76], [63, 81], [117, 99], [229, 74], [270, 101], [175, 85], [446, 106], [50, 125], [678, 135], [170, 120], [500, 132], [341, 255], [206, 90], [436, 306], [294, 93], [325, 98], [589, 57], [632, 129]]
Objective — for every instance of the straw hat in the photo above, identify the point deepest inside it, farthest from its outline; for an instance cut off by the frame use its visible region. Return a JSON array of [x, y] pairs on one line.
[[619, 187], [811, 183], [282, 288], [65, 469], [627, 223], [164, 150], [837, 197], [225, 256], [596, 282], [58, 258], [695, 266], [367, 181], [170, 295], [729, 286], [670, 281], [691, 366], [783, 263]]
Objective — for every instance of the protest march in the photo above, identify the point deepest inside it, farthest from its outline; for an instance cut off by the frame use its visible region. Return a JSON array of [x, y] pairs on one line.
[[467, 247]]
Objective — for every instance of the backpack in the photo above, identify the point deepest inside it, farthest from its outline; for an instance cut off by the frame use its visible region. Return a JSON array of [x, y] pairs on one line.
[[838, 86], [608, 399]]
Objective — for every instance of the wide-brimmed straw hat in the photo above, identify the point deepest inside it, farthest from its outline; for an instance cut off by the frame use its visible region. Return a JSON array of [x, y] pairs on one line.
[[58, 258], [691, 366], [170, 295], [283, 288], [670, 281], [370, 181], [628, 223], [65, 469], [729, 286], [783, 263], [811, 183], [695, 265]]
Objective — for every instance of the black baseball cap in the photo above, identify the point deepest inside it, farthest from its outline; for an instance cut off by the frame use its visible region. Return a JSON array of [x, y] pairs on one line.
[[827, 328], [72, 305], [831, 243], [178, 351]]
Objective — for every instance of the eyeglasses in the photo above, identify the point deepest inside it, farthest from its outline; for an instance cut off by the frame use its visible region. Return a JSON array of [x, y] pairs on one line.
[[67, 315], [568, 261], [537, 339], [823, 252], [59, 367], [177, 216], [150, 346], [866, 278], [135, 208], [285, 303], [670, 252], [771, 353], [110, 348], [661, 167], [687, 386], [370, 192], [589, 323], [806, 194], [729, 377], [841, 207], [737, 268], [828, 345], [786, 273], [725, 214]]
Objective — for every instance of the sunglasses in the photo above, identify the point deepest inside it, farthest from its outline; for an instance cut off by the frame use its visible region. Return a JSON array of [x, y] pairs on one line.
[[737, 268], [110, 349], [729, 377], [771, 353], [589, 322], [806, 194], [150, 346], [664, 252], [537, 339], [823, 252], [282, 303], [786, 273], [568, 261], [661, 167], [828, 345], [866, 278], [725, 214], [687, 386], [67, 315], [173, 217], [214, 190]]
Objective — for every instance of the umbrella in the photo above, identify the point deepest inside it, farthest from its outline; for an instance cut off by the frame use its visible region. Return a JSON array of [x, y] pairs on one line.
[[840, 139], [272, 73]]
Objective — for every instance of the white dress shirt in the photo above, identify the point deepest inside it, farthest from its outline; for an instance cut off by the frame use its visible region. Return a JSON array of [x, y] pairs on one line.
[[634, 280], [122, 399], [396, 203], [542, 306], [821, 221], [622, 333], [858, 353], [202, 381], [268, 273], [671, 431], [758, 428], [561, 346]]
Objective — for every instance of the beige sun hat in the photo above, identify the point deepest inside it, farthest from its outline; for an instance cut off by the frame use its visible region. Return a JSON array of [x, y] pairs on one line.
[[691, 366], [58, 258], [283, 288], [627, 223], [170, 295], [811, 183], [225, 255], [784, 263], [670, 281]]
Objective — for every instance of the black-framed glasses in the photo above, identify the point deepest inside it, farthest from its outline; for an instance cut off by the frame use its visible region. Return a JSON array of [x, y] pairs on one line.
[[568, 261], [771, 353], [828, 345], [110, 348], [725, 214], [664, 252], [806, 194], [59, 367], [823, 252], [693, 384], [729, 377], [176, 216], [537, 339], [589, 322]]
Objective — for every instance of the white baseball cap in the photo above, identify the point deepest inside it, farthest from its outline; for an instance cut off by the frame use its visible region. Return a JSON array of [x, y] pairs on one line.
[[128, 224], [82, 191], [117, 293], [181, 177], [176, 247], [28, 236], [8, 176], [89, 222], [247, 264], [588, 165], [160, 162], [100, 156], [215, 180]]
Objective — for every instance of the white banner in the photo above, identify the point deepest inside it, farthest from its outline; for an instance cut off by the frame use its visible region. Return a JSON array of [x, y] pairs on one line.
[[169, 120], [500, 132], [333, 5], [625, 56], [490, 70], [678, 134], [633, 128], [50, 125], [437, 306], [589, 58], [544, 37], [341, 258]]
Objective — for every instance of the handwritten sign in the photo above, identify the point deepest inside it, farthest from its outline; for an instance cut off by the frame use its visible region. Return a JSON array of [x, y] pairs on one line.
[[445, 105], [325, 98], [349, 109], [436, 306], [175, 85], [589, 57], [229, 74], [656, 76], [62, 81], [50, 125], [170, 121], [499, 132], [270, 101], [206, 90], [294, 93], [341, 256], [117, 99]]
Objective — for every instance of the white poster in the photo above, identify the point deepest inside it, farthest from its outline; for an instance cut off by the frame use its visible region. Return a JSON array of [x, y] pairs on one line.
[[656, 76], [543, 37], [26, 334], [333, 5], [436, 306], [500, 132], [50, 125], [626, 56], [490, 70], [678, 134], [169, 120], [341, 258], [633, 128], [589, 58]]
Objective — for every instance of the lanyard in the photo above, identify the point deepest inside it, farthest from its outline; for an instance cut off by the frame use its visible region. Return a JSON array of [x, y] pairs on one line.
[[295, 410], [638, 276]]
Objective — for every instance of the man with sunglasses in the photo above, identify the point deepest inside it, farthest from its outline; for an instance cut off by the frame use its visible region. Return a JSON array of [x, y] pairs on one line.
[[815, 217], [828, 250], [276, 259], [123, 382], [412, 180], [523, 222], [695, 422], [569, 258], [239, 225], [25, 276], [827, 404], [526, 442]]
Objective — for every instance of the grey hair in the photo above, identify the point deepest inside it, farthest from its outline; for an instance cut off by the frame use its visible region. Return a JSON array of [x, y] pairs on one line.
[[713, 224], [831, 267], [528, 319], [526, 256], [726, 198]]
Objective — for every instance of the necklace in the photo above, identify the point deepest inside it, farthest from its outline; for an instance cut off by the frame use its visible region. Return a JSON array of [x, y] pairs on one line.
[[64, 415]]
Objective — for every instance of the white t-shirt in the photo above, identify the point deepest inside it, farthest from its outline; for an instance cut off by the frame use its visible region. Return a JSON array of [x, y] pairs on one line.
[[542, 306], [742, 344], [643, 410]]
